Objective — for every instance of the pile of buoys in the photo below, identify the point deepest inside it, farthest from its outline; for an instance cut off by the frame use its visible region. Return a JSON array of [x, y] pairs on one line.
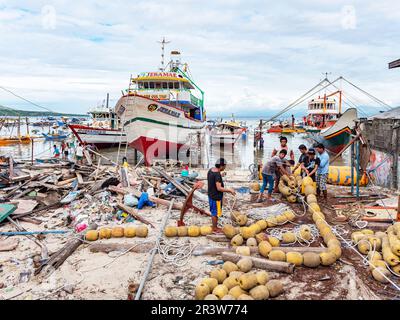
[[117, 232], [237, 281], [288, 186], [382, 250], [187, 231], [334, 250]]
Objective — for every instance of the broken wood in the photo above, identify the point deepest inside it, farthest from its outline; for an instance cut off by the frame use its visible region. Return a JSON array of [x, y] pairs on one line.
[[64, 182], [58, 258], [9, 244], [109, 247], [79, 176], [218, 238], [210, 250], [132, 212], [261, 263]]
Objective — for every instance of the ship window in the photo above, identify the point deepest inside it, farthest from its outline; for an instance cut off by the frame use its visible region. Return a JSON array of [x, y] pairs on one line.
[[176, 85], [158, 85], [151, 85], [171, 85], [165, 85], [140, 85], [146, 85]]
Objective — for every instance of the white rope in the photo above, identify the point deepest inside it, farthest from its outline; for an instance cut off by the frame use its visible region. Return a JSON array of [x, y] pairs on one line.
[[174, 252], [359, 254]]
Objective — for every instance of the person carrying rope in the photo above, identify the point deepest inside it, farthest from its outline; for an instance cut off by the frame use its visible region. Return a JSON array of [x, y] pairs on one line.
[[216, 191]]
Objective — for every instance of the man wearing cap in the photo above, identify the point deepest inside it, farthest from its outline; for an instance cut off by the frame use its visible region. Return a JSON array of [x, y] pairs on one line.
[[322, 171], [313, 163], [303, 159], [216, 191]]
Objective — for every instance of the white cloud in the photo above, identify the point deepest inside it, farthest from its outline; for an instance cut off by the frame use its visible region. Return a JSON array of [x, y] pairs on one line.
[[255, 54]]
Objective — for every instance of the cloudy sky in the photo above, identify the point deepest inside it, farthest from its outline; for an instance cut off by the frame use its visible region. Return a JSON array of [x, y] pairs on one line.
[[246, 55]]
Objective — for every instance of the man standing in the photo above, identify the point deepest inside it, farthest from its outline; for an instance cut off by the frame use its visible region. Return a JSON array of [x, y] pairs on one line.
[[79, 154], [313, 164], [56, 151], [269, 175], [283, 146], [293, 121], [303, 159], [215, 192], [322, 171]]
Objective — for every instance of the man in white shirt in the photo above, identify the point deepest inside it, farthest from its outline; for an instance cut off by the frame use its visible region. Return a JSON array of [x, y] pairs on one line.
[[79, 154]]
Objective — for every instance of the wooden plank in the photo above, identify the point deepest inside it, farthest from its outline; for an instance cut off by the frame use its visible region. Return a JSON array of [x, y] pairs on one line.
[[109, 247], [261, 263], [132, 212], [79, 176]]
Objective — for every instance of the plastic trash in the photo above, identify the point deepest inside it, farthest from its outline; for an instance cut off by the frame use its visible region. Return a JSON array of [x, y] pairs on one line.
[[144, 201], [130, 200]]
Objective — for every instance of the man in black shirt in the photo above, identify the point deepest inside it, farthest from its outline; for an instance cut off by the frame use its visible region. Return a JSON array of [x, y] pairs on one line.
[[215, 192], [303, 159], [313, 164]]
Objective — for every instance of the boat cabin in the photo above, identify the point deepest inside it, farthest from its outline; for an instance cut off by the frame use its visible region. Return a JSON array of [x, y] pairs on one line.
[[322, 112], [171, 88], [104, 118]]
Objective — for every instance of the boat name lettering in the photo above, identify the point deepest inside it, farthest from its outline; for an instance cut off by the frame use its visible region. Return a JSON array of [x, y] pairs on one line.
[[159, 74], [169, 112]]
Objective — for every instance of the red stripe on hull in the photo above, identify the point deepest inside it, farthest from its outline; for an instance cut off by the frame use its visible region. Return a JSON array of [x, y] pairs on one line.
[[155, 148]]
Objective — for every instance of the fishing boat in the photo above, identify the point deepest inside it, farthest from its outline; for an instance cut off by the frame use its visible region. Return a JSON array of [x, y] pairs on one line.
[[336, 137], [60, 135], [323, 112], [226, 133], [104, 131], [15, 140], [290, 130], [162, 110], [12, 138]]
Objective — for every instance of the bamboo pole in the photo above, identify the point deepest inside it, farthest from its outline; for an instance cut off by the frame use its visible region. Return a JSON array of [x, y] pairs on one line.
[[153, 253]]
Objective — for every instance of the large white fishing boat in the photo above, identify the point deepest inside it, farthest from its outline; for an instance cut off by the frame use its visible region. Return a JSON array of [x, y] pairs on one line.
[[160, 111]]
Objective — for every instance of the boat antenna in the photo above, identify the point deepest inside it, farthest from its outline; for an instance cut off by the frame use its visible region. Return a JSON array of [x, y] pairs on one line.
[[163, 43]]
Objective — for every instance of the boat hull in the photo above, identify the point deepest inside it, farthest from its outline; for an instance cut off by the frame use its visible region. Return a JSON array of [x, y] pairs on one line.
[[100, 137], [155, 129], [336, 141]]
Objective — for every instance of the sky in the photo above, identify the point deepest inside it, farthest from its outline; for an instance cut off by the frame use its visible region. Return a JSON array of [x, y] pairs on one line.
[[250, 57]]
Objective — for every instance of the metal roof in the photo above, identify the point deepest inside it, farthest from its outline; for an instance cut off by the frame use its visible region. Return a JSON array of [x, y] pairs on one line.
[[392, 114]]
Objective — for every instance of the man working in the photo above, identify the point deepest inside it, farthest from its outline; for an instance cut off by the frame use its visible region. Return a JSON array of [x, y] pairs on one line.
[[322, 171], [303, 159], [269, 174], [313, 163], [215, 192], [283, 146]]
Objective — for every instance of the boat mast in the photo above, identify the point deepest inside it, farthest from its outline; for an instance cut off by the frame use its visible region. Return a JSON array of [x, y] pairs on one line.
[[163, 43]]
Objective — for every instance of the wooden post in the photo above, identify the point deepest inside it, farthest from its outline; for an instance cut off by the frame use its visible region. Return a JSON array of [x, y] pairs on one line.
[[32, 151], [398, 209]]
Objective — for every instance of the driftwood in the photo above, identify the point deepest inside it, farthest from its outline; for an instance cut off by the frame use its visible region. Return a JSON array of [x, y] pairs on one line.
[[210, 251], [218, 238], [261, 263], [165, 175], [109, 247], [132, 212], [58, 258]]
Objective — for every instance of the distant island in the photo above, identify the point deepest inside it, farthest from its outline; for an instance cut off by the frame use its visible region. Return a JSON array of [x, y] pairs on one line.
[[8, 112]]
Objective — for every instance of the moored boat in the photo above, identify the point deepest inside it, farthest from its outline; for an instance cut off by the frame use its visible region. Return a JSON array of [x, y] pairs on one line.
[[226, 133], [336, 137], [160, 111], [104, 131]]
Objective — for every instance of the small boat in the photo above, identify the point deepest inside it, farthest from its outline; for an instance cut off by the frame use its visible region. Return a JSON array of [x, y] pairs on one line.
[[55, 136], [336, 137], [289, 130], [15, 140], [275, 129], [226, 133]]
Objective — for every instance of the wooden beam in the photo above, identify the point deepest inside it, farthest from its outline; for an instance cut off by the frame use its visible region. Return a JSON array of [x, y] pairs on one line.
[[394, 64]]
